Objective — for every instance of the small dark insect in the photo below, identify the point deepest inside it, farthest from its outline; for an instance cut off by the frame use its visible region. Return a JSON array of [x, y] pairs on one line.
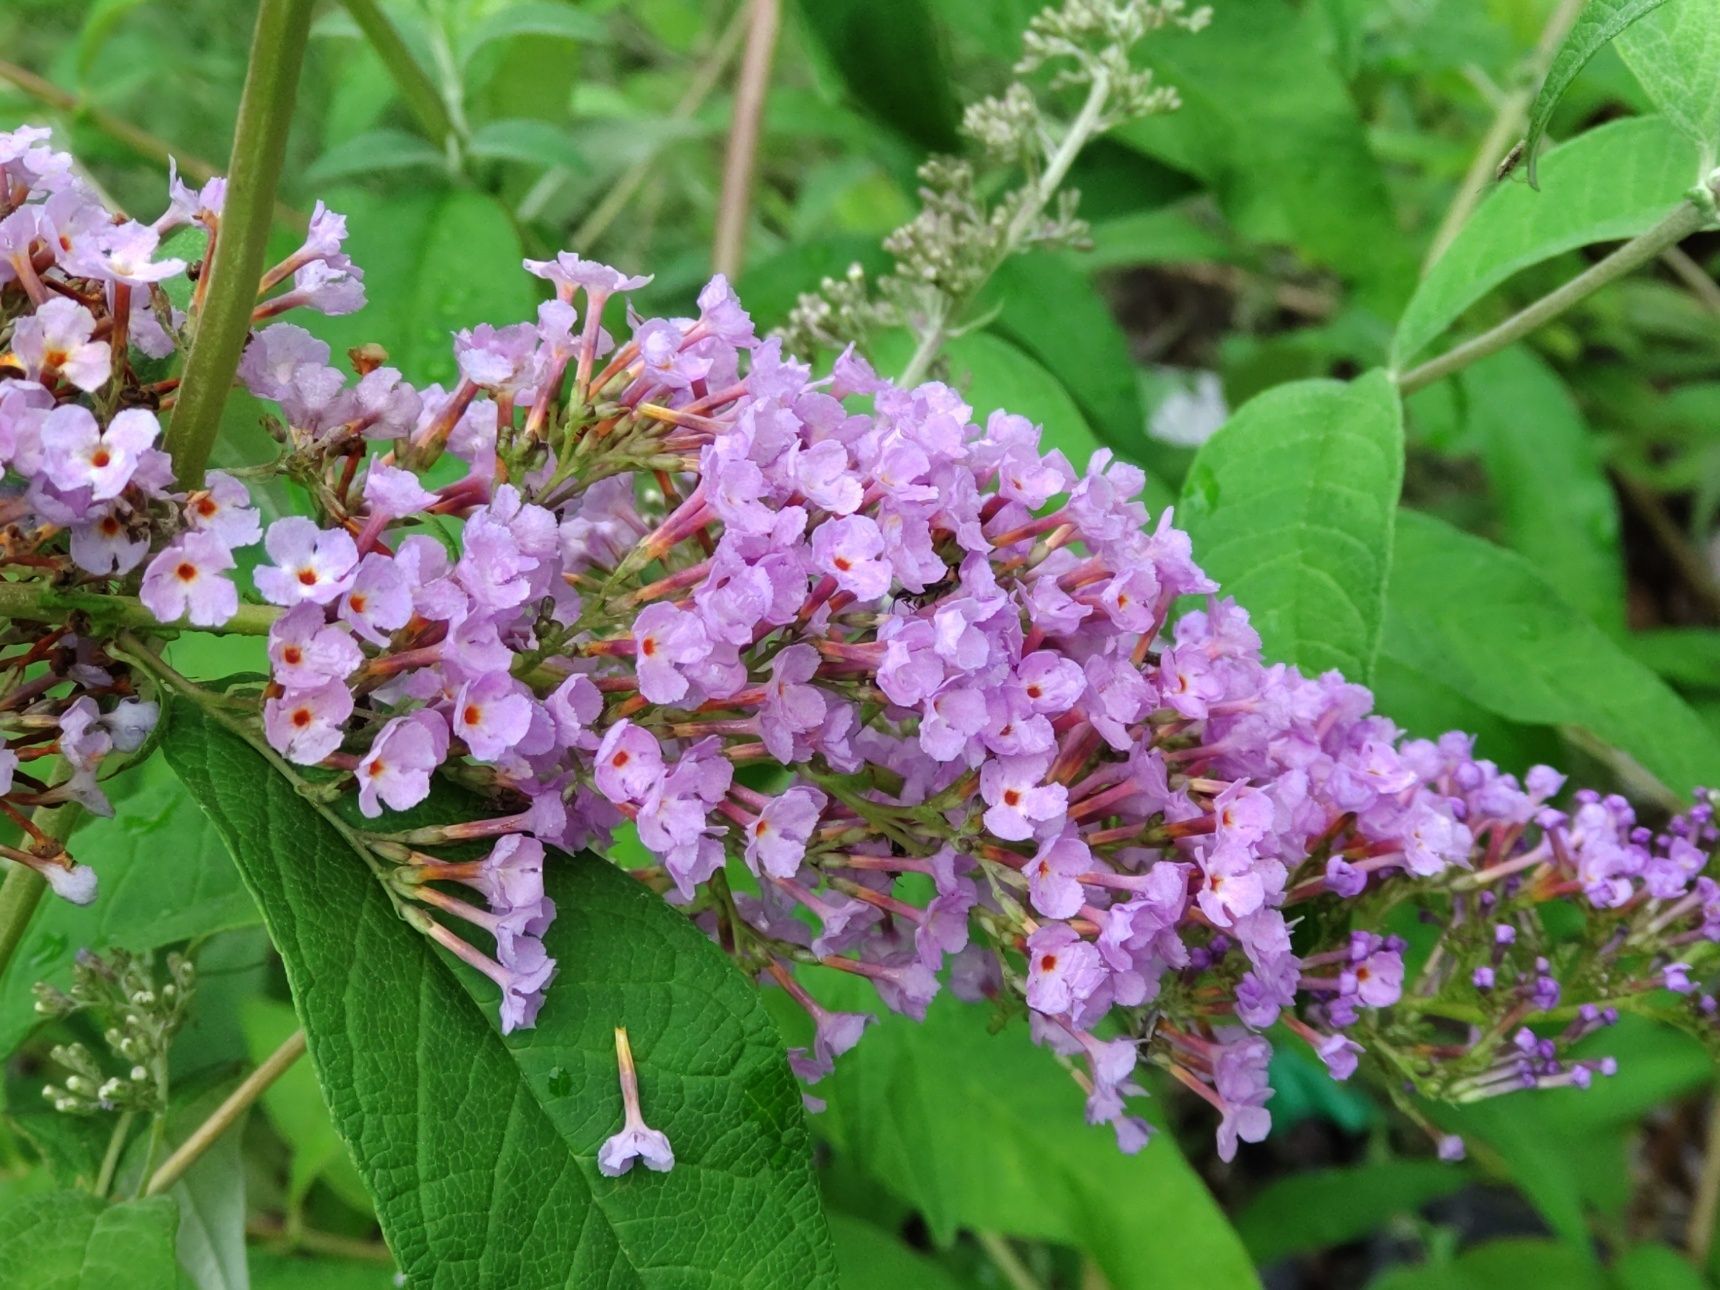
[[920, 599], [1513, 159]]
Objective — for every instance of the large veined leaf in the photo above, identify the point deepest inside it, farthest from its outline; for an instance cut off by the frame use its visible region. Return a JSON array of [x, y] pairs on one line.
[[1600, 21], [1482, 620], [433, 262], [69, 1240], [1609, 183], [480, 1151], [1290, 506], [890, 60], [985, 1131], [165, 877], [1543, 467], [1674, 53]]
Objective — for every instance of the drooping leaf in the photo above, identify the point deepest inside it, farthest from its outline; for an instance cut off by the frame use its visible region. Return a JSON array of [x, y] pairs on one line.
[[1656, 1267], [1168, 235], [1674, 52], [211, 1200], [1612, 182], [1600, 22], [165, 877], [1320, 1208], [983, 1130], [433, 262], [1544, 470], [270, 1271], [481, 1156], [69, 1240], [1291, 507], [1509, 1264], [1484, 621], [1686, 656]]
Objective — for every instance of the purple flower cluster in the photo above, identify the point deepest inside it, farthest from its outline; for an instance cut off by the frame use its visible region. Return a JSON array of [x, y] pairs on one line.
[[880, 688]]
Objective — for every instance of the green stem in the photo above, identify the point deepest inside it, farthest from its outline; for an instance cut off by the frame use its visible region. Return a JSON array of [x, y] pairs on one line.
[[1677, 226], [22, 890], [259, 146], [222, 1118], [420, 92], [36, 602], [110, 1162], [1084, 127]]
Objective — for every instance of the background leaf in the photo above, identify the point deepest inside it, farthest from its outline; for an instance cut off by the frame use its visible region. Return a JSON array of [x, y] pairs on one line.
[[1613, 182], [890, 58], [486, 1165], [69, 1240], [1320, 1208], [982, 1130], [1482, 619], [1675, 53], [165, 877], [1558, 509], [1291, 506]]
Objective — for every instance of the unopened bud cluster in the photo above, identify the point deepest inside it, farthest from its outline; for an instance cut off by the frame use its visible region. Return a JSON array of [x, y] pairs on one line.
[[139, 1013]]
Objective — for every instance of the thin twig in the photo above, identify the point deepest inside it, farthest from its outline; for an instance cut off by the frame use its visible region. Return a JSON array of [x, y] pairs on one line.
[[1698, 578], [692, 99], [1007, 1261], [222, 1118], [421, 94], [1680, 224], [1694, 276], [728, 246], [1508, 119], [314, 1242], [1699, 1234]]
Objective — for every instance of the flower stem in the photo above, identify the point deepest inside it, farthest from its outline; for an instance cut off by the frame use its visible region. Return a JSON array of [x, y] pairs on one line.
[[36, 601], [222, 1118], [22, 890], [420, 92], [1080, 131], [259, 145], [729, 243], [1680, 224]]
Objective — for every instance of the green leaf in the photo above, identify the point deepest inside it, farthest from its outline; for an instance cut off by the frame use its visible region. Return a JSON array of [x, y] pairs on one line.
[[433, 262], [890, 59], [1686, 656], [870, 1258], [1486, 623], [1674, 53], [1542, 465], [481, 1151], [983, 1130], [994, 375], [1609, 183], [537, 143], [1052, 310], [1169, 235], [1600, 21], [165, 877], [1511, 1264], [1290, 506], [211, 1200], [1656, 1267], [373, 151], [69, 1240], [271, 1271], [535, 18], [1320, 1208], [1271, 126]]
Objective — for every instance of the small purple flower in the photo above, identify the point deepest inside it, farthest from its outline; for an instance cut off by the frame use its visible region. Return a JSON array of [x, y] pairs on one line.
[[492, 715], [305, 726], [55, 341], [305, 651], [667, 639], [849, 550], [396, 770], [186, 581], [636, 1139], [1021, 803], [629, 762], [777, 838], [1062, 970], [223, 507], [310, 563], [1052, 875], [378, 600], [77, 453]]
